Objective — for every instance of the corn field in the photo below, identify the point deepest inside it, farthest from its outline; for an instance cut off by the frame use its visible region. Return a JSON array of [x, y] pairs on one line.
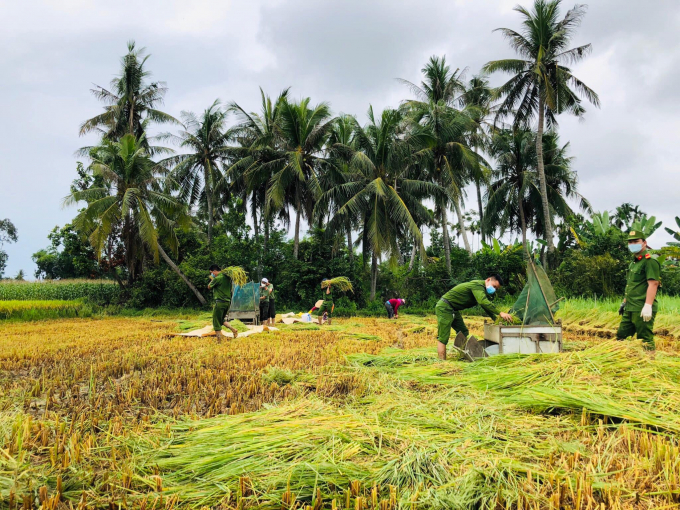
[[97, 291], [118, 413]]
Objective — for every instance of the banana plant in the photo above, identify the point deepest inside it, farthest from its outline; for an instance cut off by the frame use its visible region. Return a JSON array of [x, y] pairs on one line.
[[601, 223], [671, 252], [646, 225], [674, 233]]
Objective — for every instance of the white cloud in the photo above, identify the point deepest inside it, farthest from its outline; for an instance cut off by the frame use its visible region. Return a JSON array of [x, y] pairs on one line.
[[345, 52]]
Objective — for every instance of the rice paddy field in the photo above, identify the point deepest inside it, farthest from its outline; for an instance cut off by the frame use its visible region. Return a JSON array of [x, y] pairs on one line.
[[119, 413]]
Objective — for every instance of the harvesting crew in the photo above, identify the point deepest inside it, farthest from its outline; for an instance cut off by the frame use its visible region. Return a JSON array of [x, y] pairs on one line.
[[639, 306], [267, 302], [465, 295], [327, 305], [220, 284], [392, 307]]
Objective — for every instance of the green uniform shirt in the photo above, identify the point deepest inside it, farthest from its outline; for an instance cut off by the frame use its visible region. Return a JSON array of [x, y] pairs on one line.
[[328, 298], [467, 295], [644, 267], [221, 287], [270, 289], [264, 293]]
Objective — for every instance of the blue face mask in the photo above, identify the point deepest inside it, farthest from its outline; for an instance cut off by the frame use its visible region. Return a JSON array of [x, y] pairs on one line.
[[490, 289], [635, 248]]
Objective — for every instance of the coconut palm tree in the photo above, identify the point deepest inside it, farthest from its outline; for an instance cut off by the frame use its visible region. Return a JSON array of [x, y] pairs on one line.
[[477, 99], [507, 207], [514, 199], [380, 192], [542, 85], [133, 195], [339, 148], [198, 171], [258, 147], [301, 136], [448, 156], [130, 103], [626, 214]]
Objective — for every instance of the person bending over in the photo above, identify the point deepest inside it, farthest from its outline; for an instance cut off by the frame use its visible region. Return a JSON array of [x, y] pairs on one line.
[[465, 295]]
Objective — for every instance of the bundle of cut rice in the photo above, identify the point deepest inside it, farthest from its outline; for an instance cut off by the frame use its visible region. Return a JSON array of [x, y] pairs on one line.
[[237, 274], [341, 282]]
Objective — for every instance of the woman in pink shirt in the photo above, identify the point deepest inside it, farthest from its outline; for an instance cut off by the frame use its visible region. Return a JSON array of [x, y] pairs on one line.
[[392, 307]]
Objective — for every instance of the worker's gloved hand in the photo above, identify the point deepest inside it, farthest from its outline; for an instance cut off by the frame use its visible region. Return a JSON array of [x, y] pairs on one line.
[[646, 313], [622, 308]]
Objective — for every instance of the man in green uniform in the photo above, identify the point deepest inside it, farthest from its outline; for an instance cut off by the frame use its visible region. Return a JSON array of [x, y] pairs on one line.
[[221, 287], [639, 306], [327, 305], [465, 295]]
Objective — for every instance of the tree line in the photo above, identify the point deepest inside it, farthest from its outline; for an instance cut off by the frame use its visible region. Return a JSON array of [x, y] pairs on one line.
[[376, 184]]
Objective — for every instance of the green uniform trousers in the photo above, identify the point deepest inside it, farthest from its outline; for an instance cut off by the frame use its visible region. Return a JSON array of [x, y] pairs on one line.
[[632, 324], [326, 307], [219, 313], [447, 318]]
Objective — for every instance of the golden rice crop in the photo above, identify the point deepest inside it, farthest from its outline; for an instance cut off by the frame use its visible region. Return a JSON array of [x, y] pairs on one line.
[[116, 412]]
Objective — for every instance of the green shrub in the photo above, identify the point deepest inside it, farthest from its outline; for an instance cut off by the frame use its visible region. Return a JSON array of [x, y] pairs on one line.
[[581, 274]]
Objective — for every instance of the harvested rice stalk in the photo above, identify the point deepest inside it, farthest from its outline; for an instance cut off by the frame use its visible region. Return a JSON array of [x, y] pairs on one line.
[[341, 282], [237, 274]]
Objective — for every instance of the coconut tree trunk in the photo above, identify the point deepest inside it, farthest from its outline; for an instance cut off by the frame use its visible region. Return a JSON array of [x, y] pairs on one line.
[[523, 225], [177, 270], [350, 247], [541, 175], [413, 256], [208, 195], [481, 211], [267, 226], [256, 225], [296, 242], [461, 224], [447, 241], [374, 275], [364, 242]]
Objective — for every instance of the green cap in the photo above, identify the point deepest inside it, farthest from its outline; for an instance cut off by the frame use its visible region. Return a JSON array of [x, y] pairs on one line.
[[634, 235]]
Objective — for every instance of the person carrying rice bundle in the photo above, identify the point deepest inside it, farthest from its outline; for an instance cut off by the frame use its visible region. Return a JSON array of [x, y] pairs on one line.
[[326, 308], [465, 295], [220, 284], [392, 307], [327, 305]]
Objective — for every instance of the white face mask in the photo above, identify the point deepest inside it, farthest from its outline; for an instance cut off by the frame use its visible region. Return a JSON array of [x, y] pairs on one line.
[[635, 248]]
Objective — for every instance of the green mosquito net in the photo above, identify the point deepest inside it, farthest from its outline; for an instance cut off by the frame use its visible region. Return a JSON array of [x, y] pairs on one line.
[[245, 298], [537, 302]]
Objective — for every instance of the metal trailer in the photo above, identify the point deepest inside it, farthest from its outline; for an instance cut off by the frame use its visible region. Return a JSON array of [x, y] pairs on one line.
[[507, 339], [245, 303]]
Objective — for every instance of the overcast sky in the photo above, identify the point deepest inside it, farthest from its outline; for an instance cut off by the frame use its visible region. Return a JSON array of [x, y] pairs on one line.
[[345, 52]]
